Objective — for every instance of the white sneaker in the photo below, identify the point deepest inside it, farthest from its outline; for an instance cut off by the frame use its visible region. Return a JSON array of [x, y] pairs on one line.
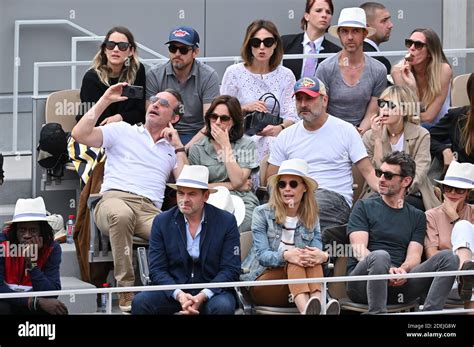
[[333, 307], [313, 306]]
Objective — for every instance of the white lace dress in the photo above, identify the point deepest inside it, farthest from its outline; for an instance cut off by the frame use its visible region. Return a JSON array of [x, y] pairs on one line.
[[249, 87]]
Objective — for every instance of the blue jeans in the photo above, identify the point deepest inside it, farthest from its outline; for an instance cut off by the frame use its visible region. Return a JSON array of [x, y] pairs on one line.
[[160, 302]]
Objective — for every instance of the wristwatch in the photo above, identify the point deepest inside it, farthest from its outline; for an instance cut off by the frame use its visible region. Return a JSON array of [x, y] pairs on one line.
[[181, 149]]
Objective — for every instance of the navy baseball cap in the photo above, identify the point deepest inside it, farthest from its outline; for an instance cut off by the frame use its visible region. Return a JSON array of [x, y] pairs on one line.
[[310, 86], [185, 35]]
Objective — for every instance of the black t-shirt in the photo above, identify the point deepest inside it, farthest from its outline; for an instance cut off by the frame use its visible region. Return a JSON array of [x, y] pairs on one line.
[[132, 110], [389, 229]]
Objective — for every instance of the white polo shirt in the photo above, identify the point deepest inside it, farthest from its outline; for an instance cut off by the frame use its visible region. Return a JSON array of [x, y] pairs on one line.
[[135, 163]]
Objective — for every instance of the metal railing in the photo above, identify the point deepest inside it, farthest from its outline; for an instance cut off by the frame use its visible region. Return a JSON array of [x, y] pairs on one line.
[[323, 280], [17, 62]]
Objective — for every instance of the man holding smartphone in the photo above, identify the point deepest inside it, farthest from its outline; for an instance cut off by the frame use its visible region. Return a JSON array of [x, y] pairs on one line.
[[139, 161], [196, 82]]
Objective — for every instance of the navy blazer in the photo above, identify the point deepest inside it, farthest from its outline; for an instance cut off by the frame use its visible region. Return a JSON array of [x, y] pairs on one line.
[[292, 44], [369, 48], [219, 249]]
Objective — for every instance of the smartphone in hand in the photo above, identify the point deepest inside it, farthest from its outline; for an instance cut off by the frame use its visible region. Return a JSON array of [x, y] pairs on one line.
[[133, 92]]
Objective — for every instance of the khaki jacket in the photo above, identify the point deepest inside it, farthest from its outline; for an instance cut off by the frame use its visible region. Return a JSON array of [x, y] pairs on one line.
[[417, 145]]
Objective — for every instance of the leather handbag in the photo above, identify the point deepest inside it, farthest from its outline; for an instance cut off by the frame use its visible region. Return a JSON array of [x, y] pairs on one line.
[[256, 121]]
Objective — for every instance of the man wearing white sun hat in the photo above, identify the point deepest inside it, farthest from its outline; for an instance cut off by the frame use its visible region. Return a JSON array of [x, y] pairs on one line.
[[193, 242], [451, 225], [354, 79]]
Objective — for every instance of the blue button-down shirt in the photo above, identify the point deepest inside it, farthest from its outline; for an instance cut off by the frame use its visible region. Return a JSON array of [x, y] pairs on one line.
[[192, 246]]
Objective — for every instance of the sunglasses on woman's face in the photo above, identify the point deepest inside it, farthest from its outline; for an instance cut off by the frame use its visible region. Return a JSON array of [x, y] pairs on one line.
[[382, 103], [110, 45], [283, 184], [224, 118], [418, 44], [449, 189], [268, 42], [387, 174], [182, 49]]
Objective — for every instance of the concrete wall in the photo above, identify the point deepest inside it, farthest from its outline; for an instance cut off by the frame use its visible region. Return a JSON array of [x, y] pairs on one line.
[[221, 24]]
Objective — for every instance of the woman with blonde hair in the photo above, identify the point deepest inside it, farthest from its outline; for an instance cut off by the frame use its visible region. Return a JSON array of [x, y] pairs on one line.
[[396, 128], [287, 242], [116, 61], [426, 70]]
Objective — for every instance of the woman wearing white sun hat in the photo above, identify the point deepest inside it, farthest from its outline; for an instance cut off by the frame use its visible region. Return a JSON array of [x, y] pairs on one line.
[[451, 225], [287, 242]]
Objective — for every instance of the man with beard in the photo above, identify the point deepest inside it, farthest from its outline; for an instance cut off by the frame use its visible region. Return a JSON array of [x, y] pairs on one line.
[[197, 83], [379, 18], [354, 79], [330, 146], [140, 160], [193, 242], [387, 237]]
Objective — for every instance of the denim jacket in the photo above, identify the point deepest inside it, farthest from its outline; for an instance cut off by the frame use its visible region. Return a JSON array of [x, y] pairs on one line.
[[266, 241]]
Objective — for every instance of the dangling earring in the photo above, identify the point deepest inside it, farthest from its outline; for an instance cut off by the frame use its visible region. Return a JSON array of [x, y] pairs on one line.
[[127, 62]]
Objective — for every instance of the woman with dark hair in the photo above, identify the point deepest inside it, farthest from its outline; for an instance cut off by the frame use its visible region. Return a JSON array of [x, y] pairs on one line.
[[453, 136], [31, 261], [287, 242], [230, 157], [314, 23], [426, 70], [260, 73], [116, 61]]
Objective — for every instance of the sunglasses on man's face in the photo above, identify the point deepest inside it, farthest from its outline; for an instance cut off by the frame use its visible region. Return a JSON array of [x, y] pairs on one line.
[[182, 49], [161, 101], [110, 45], [418, 44], [268, 42], [449, 189], [387, 174], [382, 103], [214, 117], [283, 184]]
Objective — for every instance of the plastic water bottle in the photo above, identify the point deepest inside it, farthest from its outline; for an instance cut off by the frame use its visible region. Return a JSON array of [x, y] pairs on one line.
[[70, 226], [103, 299]]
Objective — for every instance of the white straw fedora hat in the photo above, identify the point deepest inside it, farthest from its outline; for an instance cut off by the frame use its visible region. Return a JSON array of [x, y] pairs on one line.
[[193, 176], [297, 167], [224, 200], [352, 17], [459, 175], [29, 210]]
